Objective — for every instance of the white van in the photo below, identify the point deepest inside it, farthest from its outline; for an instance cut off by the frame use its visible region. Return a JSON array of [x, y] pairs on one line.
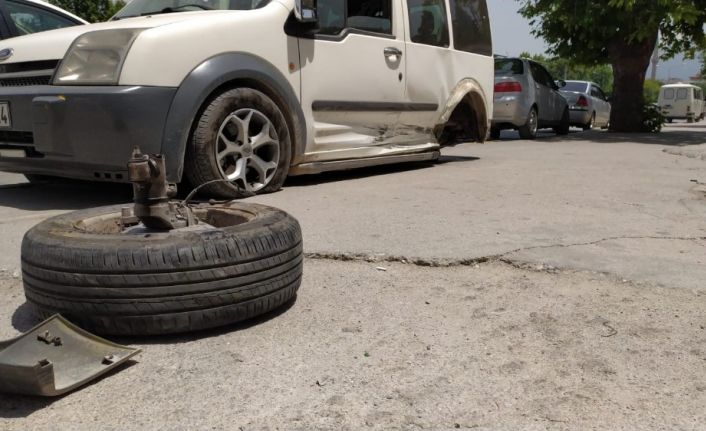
[[682, 102], [248, 91]]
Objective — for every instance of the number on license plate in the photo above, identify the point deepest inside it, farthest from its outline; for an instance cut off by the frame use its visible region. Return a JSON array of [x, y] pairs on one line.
[[5, 120]]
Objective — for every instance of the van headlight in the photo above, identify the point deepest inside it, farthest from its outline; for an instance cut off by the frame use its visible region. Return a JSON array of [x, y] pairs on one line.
[[96, 58]]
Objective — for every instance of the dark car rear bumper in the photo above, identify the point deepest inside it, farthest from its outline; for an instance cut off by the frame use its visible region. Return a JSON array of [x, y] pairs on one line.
[[81, 132]]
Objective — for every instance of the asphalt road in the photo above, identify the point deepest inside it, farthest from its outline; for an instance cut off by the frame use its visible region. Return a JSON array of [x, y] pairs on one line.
[[554, 284]]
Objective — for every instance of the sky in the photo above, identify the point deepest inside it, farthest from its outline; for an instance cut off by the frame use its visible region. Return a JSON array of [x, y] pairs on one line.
[[511, 36]]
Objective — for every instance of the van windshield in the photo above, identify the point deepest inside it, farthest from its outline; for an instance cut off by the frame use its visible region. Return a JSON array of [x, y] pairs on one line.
[[155, 7]]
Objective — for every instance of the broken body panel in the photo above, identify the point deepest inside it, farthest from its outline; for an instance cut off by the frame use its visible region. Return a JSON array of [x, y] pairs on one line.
[[56, 357]]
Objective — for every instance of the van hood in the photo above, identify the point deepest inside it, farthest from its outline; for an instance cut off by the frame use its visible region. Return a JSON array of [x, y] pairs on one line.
[[52, 45]]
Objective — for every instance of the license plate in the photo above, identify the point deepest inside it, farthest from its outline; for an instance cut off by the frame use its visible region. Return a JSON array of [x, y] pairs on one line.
[[13, 154], [5, 120]]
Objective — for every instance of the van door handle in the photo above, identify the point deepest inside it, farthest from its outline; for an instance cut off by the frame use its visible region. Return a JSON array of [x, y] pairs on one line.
[[391, 51]]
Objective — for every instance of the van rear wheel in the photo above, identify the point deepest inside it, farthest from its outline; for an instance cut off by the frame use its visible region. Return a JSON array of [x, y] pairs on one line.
[[241, 139]]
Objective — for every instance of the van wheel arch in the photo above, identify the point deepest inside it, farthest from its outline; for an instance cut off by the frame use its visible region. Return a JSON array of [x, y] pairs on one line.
[[467, 121], [213, 76]]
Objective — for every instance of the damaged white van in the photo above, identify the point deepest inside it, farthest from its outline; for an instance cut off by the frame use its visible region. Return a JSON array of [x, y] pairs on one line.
[[249, 91]]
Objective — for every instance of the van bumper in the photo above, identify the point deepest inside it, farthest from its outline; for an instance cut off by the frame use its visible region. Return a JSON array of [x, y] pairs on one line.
[[81, 132]]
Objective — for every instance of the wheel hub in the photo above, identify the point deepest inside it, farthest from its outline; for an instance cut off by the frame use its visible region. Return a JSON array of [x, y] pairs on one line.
[[247, 149]]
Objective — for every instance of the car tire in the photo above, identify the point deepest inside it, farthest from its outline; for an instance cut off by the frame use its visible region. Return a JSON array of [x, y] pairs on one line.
[[529, 129], [166, 282], [563, 128], [494, 133], [224, 146], [589, 126]]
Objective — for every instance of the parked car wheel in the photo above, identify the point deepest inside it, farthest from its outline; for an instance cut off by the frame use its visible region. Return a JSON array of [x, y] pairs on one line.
[[563, 128], [494, 133], [242, 136], [529, 129], [80, 264], [591, 123]]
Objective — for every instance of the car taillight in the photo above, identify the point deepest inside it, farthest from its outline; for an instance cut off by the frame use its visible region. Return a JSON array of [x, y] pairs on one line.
[[508, 87], [583, 102]]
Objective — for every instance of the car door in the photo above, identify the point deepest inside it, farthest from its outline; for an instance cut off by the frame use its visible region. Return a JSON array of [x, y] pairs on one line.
[[544, 94], [603, 107], [559, 103], [353, 76]]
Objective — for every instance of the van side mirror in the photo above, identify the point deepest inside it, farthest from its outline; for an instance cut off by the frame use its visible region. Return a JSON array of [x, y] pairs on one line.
[[305, 11]]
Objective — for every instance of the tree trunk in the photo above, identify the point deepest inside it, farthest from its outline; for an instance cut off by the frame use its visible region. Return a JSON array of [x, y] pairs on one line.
[[630, 62]]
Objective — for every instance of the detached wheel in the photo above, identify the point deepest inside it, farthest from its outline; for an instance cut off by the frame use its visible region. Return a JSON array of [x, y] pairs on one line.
[[242, 137], [529, 129], [563, 128], [244, 261]]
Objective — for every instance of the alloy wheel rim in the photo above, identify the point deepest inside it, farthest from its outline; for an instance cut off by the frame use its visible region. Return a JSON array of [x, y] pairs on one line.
[[247, 149]]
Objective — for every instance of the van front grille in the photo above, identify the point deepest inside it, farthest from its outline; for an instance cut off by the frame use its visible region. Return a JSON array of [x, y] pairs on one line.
[[25, 81]]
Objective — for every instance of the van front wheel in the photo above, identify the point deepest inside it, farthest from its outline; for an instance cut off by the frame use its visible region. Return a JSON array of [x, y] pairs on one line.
[[242, 139]]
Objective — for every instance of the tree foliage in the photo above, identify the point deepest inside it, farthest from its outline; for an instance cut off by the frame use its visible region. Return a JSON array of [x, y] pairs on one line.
[[622, 33], [651, 90], [563, 68], [90, 10]]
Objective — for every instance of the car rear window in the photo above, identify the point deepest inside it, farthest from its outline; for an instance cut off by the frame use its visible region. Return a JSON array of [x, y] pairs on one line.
[[682, 94], [579, 87], [509, 67], [669, 93]]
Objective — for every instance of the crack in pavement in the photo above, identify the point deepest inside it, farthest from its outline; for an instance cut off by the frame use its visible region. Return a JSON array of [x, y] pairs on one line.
[[500, 257]]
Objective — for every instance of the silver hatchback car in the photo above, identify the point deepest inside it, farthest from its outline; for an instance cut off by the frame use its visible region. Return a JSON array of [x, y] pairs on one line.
[[527, 99]]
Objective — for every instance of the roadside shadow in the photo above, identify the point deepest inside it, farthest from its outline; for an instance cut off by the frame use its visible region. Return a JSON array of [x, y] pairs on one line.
[[542, 135], [23, 319], [676, 138], [63, 196], [20, 406], [443, 160], [14, 406]]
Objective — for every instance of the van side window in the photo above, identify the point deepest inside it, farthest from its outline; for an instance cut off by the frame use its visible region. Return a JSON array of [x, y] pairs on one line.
[[331, 16], [669, 93], [370, 15], [471, 26], [427, 22], [682, 94], [367, 15]]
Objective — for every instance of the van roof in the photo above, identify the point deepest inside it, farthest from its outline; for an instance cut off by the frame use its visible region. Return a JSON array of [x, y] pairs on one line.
[[680, 85]]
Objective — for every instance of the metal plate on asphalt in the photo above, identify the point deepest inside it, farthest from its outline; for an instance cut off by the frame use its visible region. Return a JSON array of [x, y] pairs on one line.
[[5, 120]]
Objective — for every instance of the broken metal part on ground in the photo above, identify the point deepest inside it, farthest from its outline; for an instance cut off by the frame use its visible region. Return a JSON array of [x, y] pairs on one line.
[[56, 357]]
